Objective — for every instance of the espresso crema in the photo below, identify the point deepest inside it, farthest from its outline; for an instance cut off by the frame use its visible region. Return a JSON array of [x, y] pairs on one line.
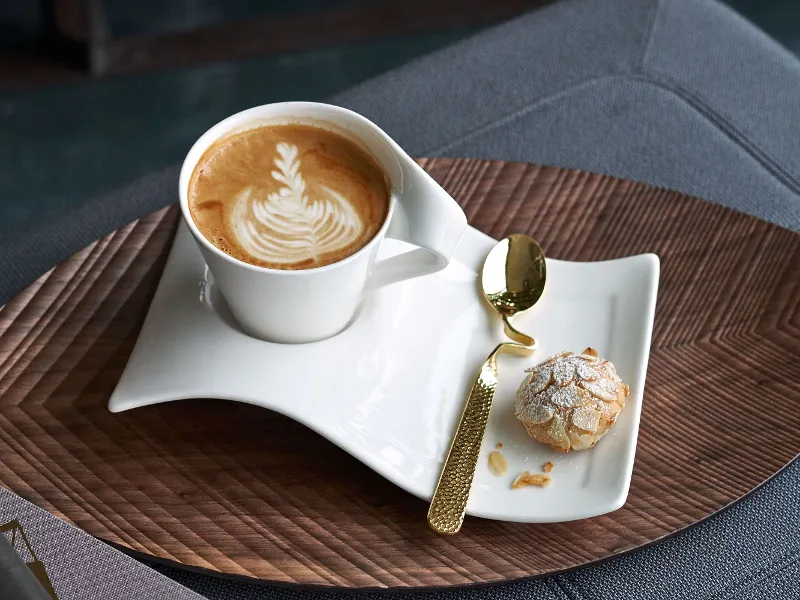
[[288, 196]]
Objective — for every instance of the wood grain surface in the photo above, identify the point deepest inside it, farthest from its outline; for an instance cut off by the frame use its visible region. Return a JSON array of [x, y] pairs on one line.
[[236, 489]]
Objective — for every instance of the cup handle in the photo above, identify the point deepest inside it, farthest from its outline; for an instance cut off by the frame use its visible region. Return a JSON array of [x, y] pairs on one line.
[[427, 217]]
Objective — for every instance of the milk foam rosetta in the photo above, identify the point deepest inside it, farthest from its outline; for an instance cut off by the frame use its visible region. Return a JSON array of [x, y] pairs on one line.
[[288, 197], [286, 227]]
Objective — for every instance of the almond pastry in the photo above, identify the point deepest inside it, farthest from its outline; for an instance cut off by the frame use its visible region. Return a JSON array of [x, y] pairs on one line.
[[570, 400]]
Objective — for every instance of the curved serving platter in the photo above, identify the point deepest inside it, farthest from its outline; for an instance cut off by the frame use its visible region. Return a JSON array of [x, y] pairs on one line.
[[390, 388]]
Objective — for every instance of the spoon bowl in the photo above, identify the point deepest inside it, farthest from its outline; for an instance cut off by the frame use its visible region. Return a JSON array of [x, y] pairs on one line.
[[513, 280]]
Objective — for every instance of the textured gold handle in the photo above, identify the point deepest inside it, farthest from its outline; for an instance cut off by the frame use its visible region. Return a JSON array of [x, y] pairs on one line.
[[449, 502]]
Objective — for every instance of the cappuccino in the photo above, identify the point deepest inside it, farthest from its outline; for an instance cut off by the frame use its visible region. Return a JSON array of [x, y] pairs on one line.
[[288, 196]]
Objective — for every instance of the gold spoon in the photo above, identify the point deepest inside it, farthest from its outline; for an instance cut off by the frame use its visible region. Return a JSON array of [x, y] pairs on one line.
[[512, 280]]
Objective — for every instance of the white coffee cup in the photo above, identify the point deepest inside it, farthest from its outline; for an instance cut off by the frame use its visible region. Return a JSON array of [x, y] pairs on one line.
[[313, 304]]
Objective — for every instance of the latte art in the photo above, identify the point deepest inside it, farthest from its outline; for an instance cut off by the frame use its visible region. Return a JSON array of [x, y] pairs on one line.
[[288, 196], [286, 227]]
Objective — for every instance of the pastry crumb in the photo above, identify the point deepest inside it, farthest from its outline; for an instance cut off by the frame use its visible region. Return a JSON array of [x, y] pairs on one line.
[[499, 444], [548, 466], [497, 463], [528, 478]]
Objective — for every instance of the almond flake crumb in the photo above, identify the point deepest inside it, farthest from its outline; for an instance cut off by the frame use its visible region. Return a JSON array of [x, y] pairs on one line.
[[528, 478], [497, 463], [548, 466]]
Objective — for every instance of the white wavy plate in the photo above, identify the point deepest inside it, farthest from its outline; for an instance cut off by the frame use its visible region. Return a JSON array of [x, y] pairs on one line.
[[390, 388]]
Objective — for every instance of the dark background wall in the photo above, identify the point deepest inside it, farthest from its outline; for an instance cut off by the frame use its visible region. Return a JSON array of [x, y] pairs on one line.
[[96, 92]]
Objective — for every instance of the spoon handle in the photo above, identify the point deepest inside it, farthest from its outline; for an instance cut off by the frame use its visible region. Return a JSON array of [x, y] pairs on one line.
[[517, 335], [449, 502]]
